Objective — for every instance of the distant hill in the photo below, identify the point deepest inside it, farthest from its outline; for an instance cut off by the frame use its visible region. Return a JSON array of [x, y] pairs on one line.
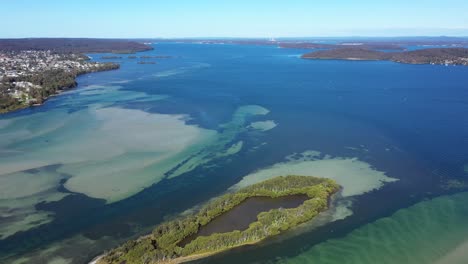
[[73, 45]]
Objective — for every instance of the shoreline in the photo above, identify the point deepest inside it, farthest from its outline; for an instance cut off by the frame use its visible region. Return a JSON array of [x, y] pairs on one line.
[[95, 260], [58, 92], [381, 60], [163, 244], [207, 254], [431, 56], [180, 260]]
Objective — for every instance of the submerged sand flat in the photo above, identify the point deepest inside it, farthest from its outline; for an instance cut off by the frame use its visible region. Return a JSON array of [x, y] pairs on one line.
[[112, 142], [76, 249], [355, 176], [432, 231], [457, 256], [180, 70], [263, 125], [17, 204], [100, 150], [133, 141], [20, 214], [223, 144]]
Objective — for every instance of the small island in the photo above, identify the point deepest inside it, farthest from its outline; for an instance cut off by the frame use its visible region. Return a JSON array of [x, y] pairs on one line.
[[439, 56], [111, 57], [156, 57], [146, 62], [182, 239]]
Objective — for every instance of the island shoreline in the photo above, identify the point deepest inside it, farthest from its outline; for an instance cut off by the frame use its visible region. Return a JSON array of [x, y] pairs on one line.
[[431, 56], [162, 245]]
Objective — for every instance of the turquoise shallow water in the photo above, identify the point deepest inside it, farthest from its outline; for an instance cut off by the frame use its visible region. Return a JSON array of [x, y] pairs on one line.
[[127, 149], [428, 232]]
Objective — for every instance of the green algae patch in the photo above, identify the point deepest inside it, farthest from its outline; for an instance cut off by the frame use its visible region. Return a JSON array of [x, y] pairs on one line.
[[162, 246]]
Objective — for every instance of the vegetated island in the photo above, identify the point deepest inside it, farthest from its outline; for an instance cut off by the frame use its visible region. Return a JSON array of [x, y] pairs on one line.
[[439, 56], [32, 70], [368, 46], [165, 243], [449, 51], [156, 57], [386, 43]]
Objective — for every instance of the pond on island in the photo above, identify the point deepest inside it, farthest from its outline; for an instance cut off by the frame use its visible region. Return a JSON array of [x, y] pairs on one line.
[[242, 215]]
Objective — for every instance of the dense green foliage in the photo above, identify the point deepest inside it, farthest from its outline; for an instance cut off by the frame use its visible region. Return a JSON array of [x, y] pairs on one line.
[[162, 244], [8, 103], [449, 56]]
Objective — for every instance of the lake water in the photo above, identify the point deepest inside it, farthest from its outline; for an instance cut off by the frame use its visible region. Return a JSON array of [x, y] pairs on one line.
[[131, 148], [242, 215]]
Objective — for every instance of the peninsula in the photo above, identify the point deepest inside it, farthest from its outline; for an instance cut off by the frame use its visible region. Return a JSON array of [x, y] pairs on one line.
[[439, 56], [435, 50], [31, 70], [181, 240]]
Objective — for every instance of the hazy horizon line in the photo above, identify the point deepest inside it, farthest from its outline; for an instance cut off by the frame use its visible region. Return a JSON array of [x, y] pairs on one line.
[[259, 37]]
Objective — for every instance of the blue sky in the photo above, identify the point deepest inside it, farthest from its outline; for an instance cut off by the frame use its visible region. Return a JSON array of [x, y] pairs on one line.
[[232, 18]]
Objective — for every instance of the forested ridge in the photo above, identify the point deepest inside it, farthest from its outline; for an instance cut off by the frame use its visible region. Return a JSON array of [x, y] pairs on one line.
[[74, 45], [447, 56]]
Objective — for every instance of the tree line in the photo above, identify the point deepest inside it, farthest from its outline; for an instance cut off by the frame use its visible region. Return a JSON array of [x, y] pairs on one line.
[[163, 243], [50, 81]]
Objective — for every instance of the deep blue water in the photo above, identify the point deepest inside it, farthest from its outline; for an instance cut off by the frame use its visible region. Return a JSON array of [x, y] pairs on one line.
[[419, 110]]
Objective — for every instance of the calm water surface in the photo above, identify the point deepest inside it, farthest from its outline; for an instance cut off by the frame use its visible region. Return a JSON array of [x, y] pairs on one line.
[[241, 216], [130, 148]]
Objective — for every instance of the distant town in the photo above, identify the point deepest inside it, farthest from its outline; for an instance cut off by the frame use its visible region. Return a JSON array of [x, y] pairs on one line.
[[31, 70], [29, 77]]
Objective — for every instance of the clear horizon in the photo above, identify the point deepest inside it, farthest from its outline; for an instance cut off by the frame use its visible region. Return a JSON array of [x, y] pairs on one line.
[[233, 19]]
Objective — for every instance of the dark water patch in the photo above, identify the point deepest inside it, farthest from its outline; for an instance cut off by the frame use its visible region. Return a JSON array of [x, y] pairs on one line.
[[182, 163], [245, 213], [241, 216], [71, 205], [32, 171], [68, 216]]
